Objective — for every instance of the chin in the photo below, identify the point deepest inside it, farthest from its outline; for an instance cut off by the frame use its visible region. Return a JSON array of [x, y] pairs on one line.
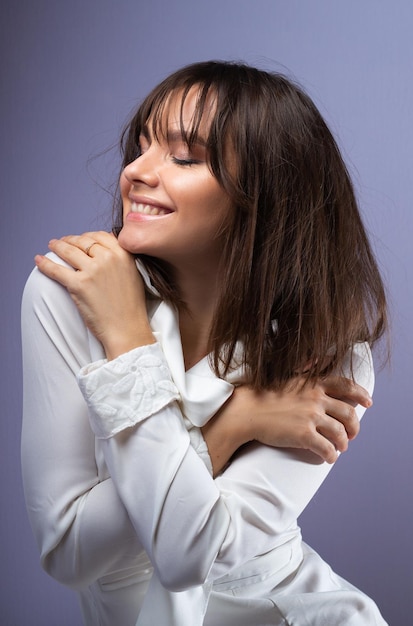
[[136, 244], [127, 242]]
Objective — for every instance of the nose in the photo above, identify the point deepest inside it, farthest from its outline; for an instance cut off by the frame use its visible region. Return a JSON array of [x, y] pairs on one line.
[[143, 169]]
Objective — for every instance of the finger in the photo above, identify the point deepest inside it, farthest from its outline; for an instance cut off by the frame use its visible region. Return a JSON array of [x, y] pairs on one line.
[[60, 273], [334, 432], [75, 248], [356, 394], [346, 389], [345, 414], [93, 243], [85, 246], [70, 251], [323, 447], [105, 239], [84, 243]]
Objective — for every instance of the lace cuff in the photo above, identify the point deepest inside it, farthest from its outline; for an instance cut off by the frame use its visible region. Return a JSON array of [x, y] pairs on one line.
[[123, 392]]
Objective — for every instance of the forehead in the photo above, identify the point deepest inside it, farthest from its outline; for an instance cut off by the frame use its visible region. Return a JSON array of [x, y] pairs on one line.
[[188, 111]]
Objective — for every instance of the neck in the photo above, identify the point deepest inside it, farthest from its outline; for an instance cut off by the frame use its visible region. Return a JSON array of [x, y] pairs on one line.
[[199, 291], [198, 285]]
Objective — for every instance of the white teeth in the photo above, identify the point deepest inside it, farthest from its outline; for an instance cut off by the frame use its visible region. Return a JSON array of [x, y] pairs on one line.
[[147, 209]]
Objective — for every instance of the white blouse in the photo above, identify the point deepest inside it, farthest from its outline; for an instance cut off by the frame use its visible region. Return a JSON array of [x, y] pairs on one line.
[[120, 492]]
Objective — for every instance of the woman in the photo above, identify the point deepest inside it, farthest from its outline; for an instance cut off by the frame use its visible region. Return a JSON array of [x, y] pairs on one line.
[[176, 418]]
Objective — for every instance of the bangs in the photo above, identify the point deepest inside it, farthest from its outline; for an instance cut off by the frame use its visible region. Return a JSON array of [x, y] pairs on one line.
[[154, 113], [217, 101], [237, 102]]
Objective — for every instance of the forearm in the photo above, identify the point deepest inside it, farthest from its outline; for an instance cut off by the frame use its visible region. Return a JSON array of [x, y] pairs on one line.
[[225, 433], [321, 418], [100, 539], [192, 527], [79, 522], [188, 529]]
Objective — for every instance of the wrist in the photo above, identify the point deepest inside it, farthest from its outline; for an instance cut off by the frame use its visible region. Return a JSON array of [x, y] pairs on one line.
[[220, 442], [123, 342], [226, 432], [243, 415]]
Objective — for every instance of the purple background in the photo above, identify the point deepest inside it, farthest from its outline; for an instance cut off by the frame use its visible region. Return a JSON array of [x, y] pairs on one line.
[[70, 74]]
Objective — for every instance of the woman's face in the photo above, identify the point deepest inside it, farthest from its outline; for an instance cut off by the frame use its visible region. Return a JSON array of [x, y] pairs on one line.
[[173, 207]]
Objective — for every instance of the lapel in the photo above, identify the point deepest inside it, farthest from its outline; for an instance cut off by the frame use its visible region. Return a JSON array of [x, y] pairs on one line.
[[202, 393]]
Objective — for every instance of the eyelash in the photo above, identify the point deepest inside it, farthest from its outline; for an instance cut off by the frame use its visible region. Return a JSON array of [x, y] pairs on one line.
[[181, 162], [184, 162]]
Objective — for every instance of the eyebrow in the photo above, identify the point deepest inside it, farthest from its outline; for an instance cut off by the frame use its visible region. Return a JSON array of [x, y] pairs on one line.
[[176, 135], [173, 136]]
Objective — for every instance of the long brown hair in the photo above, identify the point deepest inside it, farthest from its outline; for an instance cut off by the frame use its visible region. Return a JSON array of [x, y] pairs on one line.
[[299, 282]]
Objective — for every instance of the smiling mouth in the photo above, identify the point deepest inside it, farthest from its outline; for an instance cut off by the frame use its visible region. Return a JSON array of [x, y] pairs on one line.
[[148, 209]]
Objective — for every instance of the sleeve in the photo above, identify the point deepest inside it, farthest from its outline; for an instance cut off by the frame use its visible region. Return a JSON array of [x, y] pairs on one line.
[[194, 529], [80, 524]]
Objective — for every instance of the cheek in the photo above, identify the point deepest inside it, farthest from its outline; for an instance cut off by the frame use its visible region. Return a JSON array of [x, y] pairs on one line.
[[209, 195], [218, 203]]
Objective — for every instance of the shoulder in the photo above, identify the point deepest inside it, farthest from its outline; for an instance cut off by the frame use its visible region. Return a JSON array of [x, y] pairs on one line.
[[48, 309], [359, 365], [41, 294]]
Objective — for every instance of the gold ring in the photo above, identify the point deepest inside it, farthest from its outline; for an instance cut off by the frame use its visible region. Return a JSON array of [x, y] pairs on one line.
[[88, 248]]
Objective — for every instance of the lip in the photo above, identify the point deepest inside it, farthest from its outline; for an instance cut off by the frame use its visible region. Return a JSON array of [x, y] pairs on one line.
[[150, 201], [142, 217], [139, 211]]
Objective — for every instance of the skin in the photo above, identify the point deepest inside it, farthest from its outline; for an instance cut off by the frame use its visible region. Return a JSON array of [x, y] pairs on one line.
[[187, 238], [188, 207]]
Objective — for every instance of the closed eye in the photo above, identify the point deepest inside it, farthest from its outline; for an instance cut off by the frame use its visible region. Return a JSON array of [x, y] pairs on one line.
[[184, 162]]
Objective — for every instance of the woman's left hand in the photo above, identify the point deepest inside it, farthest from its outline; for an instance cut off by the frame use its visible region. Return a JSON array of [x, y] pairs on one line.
[[106, 288], [319, 417]]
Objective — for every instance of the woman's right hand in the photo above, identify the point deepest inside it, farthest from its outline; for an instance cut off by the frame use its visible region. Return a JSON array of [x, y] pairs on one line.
[[106, 288], [320, 418]]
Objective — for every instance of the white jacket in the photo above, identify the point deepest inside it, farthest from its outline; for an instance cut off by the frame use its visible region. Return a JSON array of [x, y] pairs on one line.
[[121, 498]]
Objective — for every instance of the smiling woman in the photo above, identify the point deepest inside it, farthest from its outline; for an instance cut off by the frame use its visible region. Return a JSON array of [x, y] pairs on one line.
[[172, 180], [189, 387]]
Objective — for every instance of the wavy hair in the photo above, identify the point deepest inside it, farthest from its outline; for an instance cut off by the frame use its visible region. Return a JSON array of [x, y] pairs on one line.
[[299, 282]]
